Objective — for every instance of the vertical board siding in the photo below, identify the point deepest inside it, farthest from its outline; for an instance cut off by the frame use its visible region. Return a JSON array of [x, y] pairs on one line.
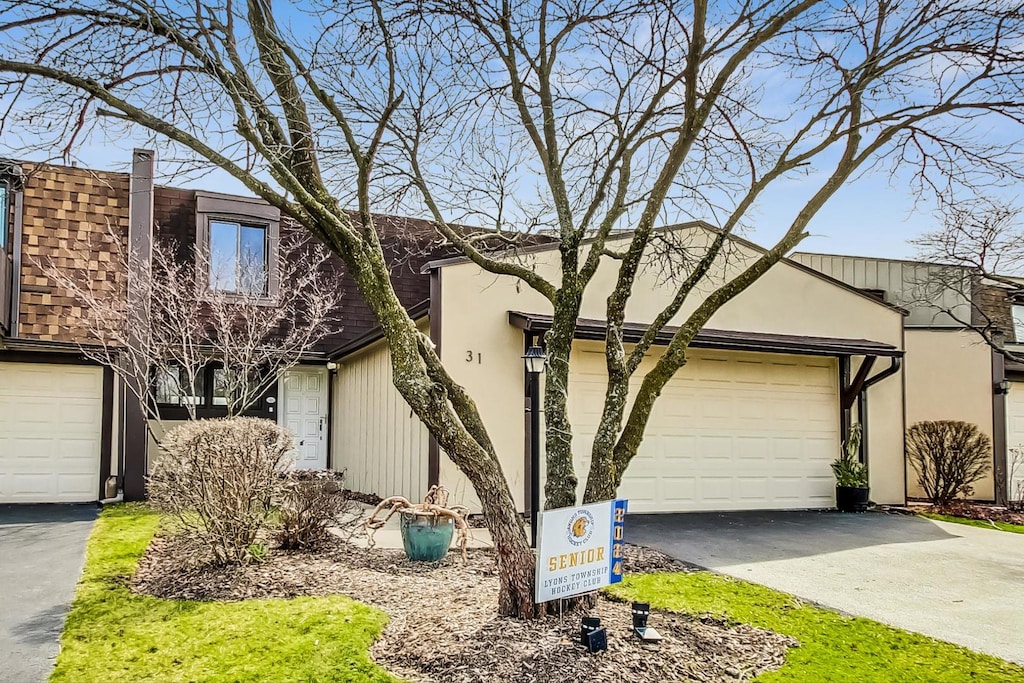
[[928, 291], [377, 441]]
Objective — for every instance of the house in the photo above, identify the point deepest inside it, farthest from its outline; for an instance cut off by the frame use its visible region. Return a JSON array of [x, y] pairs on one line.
[[67, 425], [753, 421], [951, 372]]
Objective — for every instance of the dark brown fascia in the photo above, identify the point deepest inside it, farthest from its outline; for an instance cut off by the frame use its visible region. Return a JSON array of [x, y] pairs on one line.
[[417, 312], [727, 340]]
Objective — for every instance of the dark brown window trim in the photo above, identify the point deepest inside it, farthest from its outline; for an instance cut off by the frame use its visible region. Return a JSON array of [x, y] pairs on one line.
[[211, 206], [172, 411]]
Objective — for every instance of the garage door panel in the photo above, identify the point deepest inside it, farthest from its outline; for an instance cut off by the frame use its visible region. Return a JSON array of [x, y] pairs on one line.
[[731, 431], [50, 432], [1015, 440]]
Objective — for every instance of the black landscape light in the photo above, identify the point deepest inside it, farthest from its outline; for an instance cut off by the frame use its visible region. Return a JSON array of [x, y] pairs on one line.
[[588, 625], [641, 613], [597, 640]]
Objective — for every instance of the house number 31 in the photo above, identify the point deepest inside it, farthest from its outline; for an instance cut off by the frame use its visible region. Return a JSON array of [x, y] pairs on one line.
[[478, 357]]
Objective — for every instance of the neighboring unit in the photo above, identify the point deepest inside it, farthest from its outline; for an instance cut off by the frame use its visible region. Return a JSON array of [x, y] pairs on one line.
[[951, 372], [66, 425]]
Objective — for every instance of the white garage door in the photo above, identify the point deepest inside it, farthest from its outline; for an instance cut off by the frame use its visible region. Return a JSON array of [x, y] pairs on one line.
[[731, 431], [1015, 440], [50, 432]]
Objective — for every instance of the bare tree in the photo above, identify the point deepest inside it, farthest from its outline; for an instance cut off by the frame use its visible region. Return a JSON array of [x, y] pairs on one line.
[[572, 118], [190, 315], [982, 241]]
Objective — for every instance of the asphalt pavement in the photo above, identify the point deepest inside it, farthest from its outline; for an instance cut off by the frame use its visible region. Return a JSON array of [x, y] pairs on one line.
[[42, 552]]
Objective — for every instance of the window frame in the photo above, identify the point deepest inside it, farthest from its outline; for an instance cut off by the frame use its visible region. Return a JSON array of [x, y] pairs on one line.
[[5, 213], [245, 212], [206, 407], [1017, 317]]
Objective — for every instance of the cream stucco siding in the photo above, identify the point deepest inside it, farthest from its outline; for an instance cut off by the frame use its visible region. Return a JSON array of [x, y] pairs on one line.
[[376, 440], [949, 377], [482, 351]]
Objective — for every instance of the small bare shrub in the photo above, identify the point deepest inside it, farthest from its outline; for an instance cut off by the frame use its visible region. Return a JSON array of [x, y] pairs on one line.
[[948, 456], [219, 478], [310, 503]]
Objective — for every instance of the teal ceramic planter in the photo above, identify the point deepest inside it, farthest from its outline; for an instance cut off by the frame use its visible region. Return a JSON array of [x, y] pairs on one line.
[[426, 538]]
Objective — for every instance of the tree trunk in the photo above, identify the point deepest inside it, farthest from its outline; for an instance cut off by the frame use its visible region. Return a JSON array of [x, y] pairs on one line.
[[561, 482], [451, 417]]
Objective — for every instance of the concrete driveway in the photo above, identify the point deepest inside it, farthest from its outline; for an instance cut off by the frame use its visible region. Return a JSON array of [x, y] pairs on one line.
[[950, 581], [42, 552]]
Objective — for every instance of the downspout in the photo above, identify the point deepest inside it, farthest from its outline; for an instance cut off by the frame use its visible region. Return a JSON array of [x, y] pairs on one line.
[[862, 402]]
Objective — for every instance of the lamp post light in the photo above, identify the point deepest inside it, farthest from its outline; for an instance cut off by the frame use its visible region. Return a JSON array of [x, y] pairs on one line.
[[534, 361]]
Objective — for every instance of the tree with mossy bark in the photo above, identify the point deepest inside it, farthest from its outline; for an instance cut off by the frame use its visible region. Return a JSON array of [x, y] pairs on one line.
[[589, 122]]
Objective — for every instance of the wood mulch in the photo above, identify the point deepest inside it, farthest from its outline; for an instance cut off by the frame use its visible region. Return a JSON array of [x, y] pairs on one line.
[[443, 624], [979, 511]]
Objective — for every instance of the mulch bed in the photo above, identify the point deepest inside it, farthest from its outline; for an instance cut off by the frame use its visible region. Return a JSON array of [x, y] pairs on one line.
[[979, 511], [443, 624]]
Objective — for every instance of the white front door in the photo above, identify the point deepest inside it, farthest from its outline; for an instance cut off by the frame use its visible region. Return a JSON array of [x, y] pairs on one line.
[[305, 415]]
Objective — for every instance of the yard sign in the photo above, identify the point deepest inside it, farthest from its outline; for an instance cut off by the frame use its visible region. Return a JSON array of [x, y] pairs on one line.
[[579, 549]]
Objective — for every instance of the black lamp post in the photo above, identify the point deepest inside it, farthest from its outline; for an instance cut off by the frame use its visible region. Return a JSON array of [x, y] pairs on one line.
[[534, 361]]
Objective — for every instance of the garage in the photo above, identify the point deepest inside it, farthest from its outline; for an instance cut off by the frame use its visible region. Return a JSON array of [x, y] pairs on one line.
[[731, 431], [51, 420], [1015, 441]]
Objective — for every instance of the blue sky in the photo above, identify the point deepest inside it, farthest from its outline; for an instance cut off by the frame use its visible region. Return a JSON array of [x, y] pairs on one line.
[[868, 217]]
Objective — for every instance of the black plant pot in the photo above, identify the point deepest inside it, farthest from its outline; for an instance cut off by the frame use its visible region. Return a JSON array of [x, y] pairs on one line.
[[852, 498]]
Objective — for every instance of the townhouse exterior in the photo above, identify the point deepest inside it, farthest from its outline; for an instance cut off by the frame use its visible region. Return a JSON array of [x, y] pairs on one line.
[[69, 431], [952, 373], [751, 422]]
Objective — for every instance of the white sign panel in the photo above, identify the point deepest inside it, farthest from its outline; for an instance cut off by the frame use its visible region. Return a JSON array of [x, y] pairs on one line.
[[579, 549]]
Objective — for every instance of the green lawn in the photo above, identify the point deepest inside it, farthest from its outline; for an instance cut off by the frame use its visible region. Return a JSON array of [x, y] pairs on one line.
[[981, 523], [832, 648], [114, 635]]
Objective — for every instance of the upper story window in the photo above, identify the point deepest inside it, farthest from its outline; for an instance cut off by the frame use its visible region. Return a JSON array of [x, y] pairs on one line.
[[238, 257], [239, 238], [4, 213], [1018, 323]]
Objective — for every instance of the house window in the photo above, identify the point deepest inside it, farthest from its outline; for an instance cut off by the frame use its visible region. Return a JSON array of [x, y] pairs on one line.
[[174, 387], [238, 257], [4, 213], [208, 393], [1018, 323], [239, 238]]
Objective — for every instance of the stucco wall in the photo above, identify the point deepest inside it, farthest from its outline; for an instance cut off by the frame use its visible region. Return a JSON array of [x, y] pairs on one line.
[[949, 377], [375, 437], [482, 351]]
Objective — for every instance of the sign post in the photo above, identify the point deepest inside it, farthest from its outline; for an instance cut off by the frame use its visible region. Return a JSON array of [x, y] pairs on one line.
[[579, 549]]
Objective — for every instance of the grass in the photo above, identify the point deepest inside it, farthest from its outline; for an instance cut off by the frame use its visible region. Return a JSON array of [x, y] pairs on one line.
[[980, 523], [832, 647], [112, 634]]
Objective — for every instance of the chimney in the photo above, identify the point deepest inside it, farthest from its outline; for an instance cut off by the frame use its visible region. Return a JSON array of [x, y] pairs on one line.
[[140, 250]]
